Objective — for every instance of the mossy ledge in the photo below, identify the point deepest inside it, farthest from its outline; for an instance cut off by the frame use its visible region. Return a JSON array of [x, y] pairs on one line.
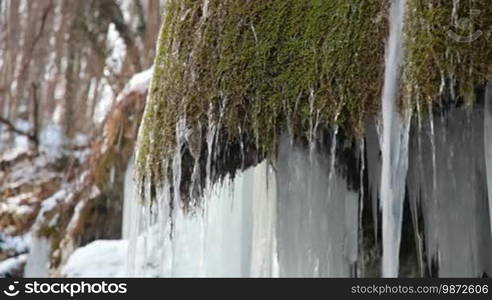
[[446, 46], [231, 76]]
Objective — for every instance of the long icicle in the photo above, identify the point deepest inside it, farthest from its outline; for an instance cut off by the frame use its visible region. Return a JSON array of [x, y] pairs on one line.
[[488, 144], [394, 149]]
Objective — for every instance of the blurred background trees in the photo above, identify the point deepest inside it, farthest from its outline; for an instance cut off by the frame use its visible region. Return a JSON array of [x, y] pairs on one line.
[[73, 82], [63, 62]]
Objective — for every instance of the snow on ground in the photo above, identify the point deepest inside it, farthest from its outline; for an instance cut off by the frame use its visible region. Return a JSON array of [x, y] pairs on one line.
[[16, 244], [109, 258], [12, 153], [101, 258], [12, 266], [50, 203], [22, 141], [51, 140], [12, 250]]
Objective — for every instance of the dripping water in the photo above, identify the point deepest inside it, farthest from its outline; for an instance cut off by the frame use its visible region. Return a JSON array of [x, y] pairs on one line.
[[394, 146]]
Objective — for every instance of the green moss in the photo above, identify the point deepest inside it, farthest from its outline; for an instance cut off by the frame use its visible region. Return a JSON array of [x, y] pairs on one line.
[[260, 68], [47, 231], [435, 55], [51, 233], [257, 69]]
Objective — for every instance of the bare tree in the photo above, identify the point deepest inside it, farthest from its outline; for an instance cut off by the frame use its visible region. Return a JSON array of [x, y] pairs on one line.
[[68, 49]]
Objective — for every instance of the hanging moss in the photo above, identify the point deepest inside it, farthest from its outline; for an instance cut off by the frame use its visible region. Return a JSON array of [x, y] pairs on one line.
[[244, 72], [447, 46], [256, 69]]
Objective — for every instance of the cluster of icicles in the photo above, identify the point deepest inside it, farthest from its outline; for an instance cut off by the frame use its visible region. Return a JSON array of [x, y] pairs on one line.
[[300, 215]]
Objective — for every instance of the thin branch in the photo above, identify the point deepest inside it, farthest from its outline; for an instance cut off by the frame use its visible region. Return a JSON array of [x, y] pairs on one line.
[[18, 131], [35, 112]]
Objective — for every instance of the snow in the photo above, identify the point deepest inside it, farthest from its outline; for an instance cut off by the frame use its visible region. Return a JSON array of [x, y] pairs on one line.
[[139, 83], [51, 140], [101, 258], [126, 9], [22, 141], [51, 202], [12, 266], [14, 244], [115, 43], [12, 154], [105, 102], [17, 203], [80, 140], [59, 110]]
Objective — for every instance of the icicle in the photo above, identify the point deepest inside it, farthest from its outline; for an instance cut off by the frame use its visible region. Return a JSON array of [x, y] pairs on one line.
[[433, 153], [394, 147], [454, 13], [38, 259], [362, 166], [373, 171], [447, 174], [488, 144], [129, 201], [333, 147], [211, 133], [313, 122], [318, 235], [361, 178], [263, 248], [312, 142]]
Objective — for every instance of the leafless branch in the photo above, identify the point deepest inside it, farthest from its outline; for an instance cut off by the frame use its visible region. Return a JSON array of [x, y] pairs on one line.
[[35, 112], [10, 126]]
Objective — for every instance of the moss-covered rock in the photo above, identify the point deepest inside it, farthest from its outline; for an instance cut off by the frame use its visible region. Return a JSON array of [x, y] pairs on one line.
[[448, 43], [256, 69], [232, 76]]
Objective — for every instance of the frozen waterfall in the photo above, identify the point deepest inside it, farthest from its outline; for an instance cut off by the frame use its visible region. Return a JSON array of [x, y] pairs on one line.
[[411, 197], [394, 145], [283, 218]]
